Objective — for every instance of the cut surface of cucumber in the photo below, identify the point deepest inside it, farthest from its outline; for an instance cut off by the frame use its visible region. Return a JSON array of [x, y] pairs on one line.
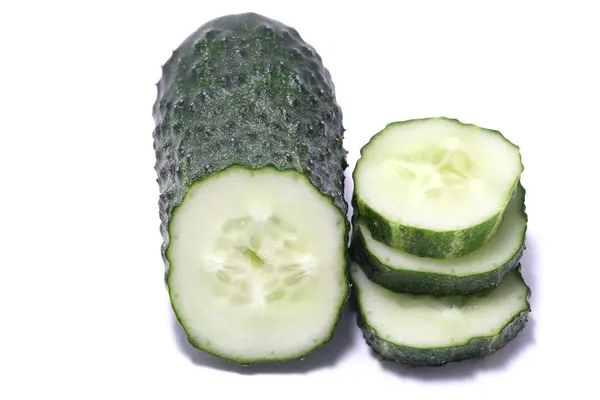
[[480, 270], [255, 259], [424, 330], [435, 187]]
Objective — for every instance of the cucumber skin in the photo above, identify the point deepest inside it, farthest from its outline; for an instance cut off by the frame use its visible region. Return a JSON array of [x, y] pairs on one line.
[[245, 90], [427, 283], [424, 242], [430, 283], [476, 348]]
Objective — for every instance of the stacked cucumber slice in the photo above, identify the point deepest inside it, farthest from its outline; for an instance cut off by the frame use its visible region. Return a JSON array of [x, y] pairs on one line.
[[439, 233]]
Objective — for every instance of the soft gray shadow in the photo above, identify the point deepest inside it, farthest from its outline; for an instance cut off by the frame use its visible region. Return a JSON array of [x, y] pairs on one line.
[[323, 357], [531, 270], [500, 359]]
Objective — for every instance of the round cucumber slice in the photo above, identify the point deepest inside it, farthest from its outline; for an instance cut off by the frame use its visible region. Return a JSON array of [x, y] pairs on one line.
[[427, 331], [257, 265], [435, 187], [480, 270]]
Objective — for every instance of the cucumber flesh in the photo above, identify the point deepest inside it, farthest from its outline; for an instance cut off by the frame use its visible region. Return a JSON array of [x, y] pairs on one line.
[[426, 330], [480, 270], [257, 265], [435, 187], [438, 175]]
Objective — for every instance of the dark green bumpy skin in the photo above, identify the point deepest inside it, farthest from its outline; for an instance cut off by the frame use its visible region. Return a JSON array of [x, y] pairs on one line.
[[426, 282], [476, 348], [245, 90], [423, 242]]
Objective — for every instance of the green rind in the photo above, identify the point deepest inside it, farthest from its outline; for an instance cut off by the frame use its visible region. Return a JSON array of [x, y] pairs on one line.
[[425, 242], [420, 357], [245, 90], [427, 282]]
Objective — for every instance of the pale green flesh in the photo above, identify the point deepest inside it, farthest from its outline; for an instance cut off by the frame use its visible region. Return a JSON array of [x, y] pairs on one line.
[[500, 250], [257, 264], [437, 174], [419, 321]]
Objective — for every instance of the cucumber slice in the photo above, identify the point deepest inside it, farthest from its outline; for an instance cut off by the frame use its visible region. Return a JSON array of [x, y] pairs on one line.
[[251, 278], [428, 331], [250, 164], [483, 269], [435, 187]]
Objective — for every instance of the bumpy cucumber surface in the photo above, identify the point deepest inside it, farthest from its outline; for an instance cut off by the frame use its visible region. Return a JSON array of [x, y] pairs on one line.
[[429, 331], [480, 270], [435, 187], [250, 165]]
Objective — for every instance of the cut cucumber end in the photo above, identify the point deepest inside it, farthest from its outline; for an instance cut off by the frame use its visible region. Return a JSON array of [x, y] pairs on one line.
[[481, 270], [436, 179], [425, 330], [257, 265]]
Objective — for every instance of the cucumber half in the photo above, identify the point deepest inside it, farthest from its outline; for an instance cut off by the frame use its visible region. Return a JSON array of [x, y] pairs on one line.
[[250, 165], [435, 187], [256, 265], [480, 270], [428, 331]]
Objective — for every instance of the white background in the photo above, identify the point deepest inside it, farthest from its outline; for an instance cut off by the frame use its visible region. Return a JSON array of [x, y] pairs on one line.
[[84, 313]]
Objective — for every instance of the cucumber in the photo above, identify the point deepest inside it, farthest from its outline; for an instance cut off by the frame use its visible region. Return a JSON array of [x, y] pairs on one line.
[[480, 270], [435, 187], [250, 165], [422, 330]]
